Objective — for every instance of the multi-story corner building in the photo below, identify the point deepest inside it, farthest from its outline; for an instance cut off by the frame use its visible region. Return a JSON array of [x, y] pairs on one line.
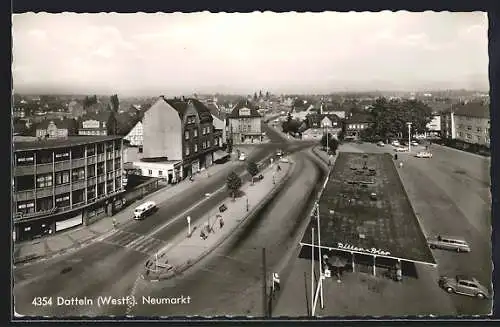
[[472, 123], [179, 136], [245, 124], [65, 182]]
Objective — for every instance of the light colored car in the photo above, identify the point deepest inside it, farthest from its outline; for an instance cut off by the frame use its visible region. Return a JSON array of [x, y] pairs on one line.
[[284, 159], [414, 143], [449, 243], [401, 149], [279, 152], [424, 154], [395, 143], [464, 285], [380, 143], [242, 157]]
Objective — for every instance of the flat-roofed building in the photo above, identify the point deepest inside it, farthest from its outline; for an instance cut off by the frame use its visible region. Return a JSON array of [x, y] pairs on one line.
[[65, 182]]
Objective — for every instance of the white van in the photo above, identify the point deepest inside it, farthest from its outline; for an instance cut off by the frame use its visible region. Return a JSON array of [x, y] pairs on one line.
[[144, 210]]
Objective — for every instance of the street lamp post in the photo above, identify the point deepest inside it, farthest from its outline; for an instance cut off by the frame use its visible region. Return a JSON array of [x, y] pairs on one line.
[[188, 218], [409, 136]]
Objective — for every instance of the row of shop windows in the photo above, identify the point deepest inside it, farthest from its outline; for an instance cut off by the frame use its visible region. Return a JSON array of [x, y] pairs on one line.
[[45, 156], [63, 200]]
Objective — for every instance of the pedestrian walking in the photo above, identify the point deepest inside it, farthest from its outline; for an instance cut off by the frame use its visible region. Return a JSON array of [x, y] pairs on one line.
[[276, 282], [221, 222], [203, 236], [114, 223], [396, 156], [279, 168]]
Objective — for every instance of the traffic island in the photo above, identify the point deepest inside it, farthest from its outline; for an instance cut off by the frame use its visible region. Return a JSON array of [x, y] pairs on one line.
[[210, 231]]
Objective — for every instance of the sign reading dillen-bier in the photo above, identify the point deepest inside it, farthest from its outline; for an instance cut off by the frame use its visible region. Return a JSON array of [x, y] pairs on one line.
[[373, 251]]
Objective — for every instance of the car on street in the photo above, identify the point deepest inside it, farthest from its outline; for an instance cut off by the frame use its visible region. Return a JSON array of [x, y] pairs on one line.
[[424, 154], [448, 243], [380, 143], [284, 159], [279, 152], [401, 149], [414, 143], [464, 285], [395, 143], [242, 157], [144, 210]]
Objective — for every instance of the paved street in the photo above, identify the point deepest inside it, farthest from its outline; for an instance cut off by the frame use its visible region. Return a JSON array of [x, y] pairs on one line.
[[111, 267], [229, 281]]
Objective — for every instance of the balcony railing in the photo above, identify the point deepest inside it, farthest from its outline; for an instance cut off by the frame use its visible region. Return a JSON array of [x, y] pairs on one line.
[[44, 168], [76, 185], [25, 195], [44, 192], [61, 189], [78, 162], [101, 179], [100, 157], [91, 160], [62, 165], [24, 170], [91, 181]]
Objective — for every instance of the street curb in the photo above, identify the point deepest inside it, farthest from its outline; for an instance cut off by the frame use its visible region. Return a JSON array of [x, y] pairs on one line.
[[245, 219], [462, 151], [315, 150]]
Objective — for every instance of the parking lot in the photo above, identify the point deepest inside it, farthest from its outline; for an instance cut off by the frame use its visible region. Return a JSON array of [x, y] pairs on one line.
[[450, 195]]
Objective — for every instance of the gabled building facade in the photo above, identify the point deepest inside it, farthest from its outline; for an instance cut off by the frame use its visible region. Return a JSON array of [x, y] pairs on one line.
[[355, 124], [180, 134], [56, 128], [245, 124], [135, 137]]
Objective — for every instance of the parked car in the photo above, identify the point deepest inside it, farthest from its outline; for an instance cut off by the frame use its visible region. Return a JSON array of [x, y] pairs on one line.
[[284, 159], [424, 154], [380, 143], [242, 157], [401, 149], [449, 243], [395, 143], [414, 143], [464, 285], [279, 152]]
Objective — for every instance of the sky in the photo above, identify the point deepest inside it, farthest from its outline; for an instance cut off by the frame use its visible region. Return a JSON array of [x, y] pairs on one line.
[[177, 53]]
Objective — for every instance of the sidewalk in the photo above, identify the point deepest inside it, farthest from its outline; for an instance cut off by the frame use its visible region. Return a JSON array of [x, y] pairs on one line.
[[73, 239], [185, 250]]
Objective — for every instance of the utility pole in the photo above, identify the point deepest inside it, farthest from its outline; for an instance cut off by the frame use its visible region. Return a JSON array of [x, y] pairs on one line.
[[320, 259], [409, 136], [264, 283], [312, 271], [307, 300]]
